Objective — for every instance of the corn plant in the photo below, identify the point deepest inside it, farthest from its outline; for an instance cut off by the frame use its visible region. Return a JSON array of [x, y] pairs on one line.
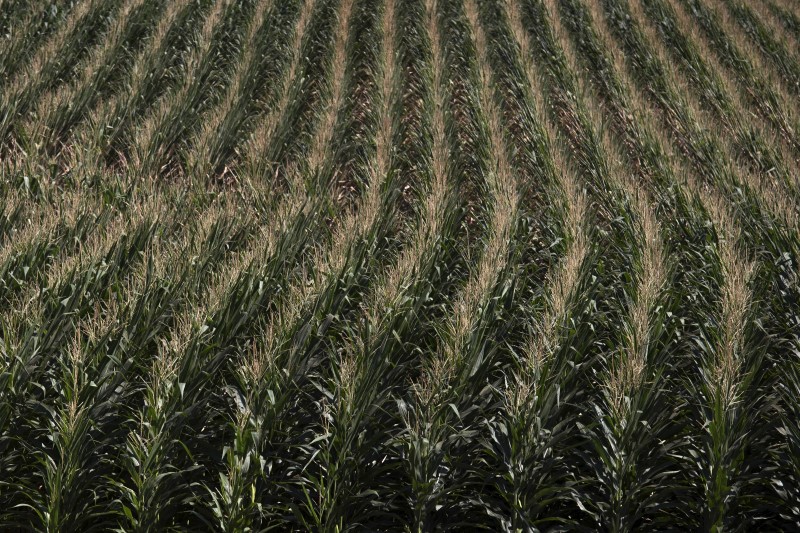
[[760, 94], [786, 17], [773, 49]]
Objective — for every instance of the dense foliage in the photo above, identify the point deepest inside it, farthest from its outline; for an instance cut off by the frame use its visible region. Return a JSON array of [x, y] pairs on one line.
[[413, 265]]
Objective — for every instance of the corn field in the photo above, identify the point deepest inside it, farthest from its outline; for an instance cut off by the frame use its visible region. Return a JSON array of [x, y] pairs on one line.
[[399, 265]]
